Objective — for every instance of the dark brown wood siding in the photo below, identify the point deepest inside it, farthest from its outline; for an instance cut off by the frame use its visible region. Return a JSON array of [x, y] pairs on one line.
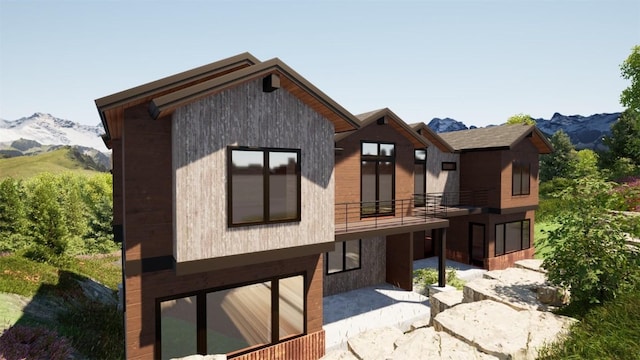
[[144, 289], [347, 167], [400, 260], [458, 239]]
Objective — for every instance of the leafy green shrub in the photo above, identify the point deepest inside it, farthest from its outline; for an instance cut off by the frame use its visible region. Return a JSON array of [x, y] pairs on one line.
[[627, 194], [22, 342], [589, 255], [428, 277], [609, 331]]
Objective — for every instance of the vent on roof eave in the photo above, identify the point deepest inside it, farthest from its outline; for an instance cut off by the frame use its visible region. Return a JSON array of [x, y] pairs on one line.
[[382, 121], [271, 83]]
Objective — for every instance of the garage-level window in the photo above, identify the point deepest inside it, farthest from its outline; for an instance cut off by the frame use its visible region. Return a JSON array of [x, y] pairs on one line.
[[512, 236], [231, 320], [263, 186], [345, 257]]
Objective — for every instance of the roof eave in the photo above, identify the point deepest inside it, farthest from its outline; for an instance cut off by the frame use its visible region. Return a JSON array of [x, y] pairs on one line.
[[166, 104]]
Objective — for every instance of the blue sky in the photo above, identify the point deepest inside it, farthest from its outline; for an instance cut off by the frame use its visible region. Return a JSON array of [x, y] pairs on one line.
[[475, 61]]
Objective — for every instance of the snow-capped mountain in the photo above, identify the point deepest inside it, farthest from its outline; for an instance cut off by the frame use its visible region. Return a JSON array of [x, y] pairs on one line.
[[49, 130], [584, 131]]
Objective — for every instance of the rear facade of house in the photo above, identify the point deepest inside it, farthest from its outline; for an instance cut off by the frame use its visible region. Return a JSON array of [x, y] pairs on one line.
[[243, 195]]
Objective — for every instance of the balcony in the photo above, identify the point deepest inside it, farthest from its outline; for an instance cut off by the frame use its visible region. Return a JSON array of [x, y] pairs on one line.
[[422, 212], [365, 219]]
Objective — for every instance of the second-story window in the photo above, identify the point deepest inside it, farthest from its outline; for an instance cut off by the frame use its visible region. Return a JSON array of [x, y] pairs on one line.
[[263, 185], [420, 176], [520, 179], [377, 178]]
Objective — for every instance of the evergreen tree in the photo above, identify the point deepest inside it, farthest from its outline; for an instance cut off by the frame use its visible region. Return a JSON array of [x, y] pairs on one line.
[[559, 163]]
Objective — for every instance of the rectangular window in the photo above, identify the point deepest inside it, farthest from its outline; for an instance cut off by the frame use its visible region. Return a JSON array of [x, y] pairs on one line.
[[419, 176], [377, 179], [520, 179], [512, 236], [233, 320], [264, 185], [449, 166], [345, 257], [178, 319]]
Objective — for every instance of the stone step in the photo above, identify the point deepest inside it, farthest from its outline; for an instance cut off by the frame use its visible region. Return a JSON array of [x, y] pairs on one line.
[[421, 344], [530, 264], [444, 300], [427, 344], [500, 330], [518, 288]]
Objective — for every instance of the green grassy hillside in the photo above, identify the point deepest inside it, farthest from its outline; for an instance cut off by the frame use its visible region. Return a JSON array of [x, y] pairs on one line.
[[57, 161]]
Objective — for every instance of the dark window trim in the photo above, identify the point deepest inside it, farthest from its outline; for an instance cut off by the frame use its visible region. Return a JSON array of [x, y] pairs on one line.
[[484, 242], [419, 200], [201, 320], [378, 159], [519, 167], [504, 236], [344, 259], [449, 166], [265, 192]]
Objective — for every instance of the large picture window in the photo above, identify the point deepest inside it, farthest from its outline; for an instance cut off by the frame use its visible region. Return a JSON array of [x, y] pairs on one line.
[[345, 257], [377, 182], [263, 186], [520, 179], [232, 320], [512, 236]]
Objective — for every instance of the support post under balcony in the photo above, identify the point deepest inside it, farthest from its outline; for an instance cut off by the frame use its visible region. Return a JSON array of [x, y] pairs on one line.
[[441, 236]]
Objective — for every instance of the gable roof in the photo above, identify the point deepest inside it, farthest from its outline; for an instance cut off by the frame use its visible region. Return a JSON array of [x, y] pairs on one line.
[[396, 123], [168, 93], [432, 136], [111, 107], [290, 80], [502, 137]]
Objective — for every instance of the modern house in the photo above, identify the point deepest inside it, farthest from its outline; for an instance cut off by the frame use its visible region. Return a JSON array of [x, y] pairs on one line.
[[378, 218], [243, 195], [499, 173], [224, 202]]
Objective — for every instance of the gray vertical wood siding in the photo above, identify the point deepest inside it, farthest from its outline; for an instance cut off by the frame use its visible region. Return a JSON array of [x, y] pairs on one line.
[[247, 116], [371, 272], [437, 179]]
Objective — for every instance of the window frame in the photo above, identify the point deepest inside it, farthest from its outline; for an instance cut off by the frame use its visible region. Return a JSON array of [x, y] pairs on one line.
[[266, 151], [503, 241], [419, 198], [449, 166], [201, 314], [344, 258], [377, 159], [521, 169]]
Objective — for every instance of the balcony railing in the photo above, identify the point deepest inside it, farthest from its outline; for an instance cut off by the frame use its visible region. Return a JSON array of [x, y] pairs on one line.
[[476, 198], [362, 216], [389, 213]]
